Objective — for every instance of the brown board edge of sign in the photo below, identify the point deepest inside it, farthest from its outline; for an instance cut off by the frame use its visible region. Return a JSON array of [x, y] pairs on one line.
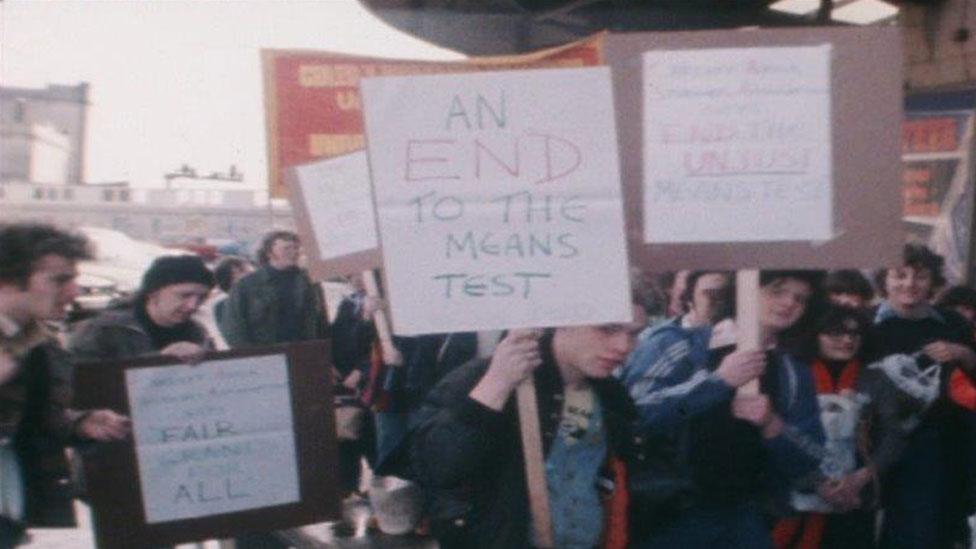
[[866, 94], [111, 469], [319, 268], [268, 68]]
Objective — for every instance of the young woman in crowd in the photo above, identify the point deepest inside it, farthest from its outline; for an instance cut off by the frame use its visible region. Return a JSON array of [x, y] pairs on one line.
[[925, 491], [864, 423]]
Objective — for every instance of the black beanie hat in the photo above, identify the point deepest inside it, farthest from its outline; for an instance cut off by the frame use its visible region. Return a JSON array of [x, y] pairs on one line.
[[175, 269]]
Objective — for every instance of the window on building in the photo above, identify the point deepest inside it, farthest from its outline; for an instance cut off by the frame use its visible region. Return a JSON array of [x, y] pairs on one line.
[[52, 194], [38, 194], [124, 195], [108, 195]]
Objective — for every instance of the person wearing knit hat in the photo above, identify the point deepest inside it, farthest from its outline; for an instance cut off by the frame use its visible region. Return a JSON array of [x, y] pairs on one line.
[[160, 320], [175, 269]]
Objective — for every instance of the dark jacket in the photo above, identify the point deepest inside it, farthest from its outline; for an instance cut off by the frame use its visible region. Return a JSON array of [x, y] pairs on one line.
[[689, 432], [36, 418], [352, 336], [118, 334], [889, 425], [942, 486], [253, 307], [426, 360], [469, 457], [668, 378]]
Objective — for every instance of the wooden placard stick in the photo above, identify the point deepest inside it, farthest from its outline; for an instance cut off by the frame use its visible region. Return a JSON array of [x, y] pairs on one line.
[[379, 317], [747, 319], [535, 471]]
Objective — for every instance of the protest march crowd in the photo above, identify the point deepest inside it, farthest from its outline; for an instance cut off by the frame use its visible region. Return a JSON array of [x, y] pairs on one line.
[[852, 425]]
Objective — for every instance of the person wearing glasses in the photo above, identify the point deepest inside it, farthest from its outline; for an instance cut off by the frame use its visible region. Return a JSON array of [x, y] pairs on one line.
[[866, 425]]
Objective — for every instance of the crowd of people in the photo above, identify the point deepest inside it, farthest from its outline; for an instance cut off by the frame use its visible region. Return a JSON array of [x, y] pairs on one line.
[[853, 424]]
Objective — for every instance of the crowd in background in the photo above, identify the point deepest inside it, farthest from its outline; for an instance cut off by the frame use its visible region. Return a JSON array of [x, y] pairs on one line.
[[852, 425]]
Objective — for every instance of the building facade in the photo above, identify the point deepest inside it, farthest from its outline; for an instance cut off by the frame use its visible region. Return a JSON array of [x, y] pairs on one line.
[[43, 133]]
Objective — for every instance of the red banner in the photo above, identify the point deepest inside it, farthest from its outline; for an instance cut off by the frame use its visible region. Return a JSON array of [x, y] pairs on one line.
[[313, 107]]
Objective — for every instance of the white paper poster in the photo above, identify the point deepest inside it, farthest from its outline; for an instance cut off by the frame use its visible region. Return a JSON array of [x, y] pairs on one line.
[[339, 203], [498, 199], [213, 438], [737, 145]]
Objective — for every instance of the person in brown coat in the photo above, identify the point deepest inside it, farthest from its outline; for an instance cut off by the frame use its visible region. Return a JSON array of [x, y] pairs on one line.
[[37, 284]]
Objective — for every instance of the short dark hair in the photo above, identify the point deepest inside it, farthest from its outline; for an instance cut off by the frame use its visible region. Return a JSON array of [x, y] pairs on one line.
[[813, 278], [957, 296], [793, 338], [23, 245], [688, 294], [836, 316], [268, 242], [849, 281], [917, 256], [224, 272]]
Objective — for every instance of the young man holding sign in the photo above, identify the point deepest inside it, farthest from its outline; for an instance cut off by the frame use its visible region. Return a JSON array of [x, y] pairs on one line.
[[728, 451], [464, 448], [37, 284]]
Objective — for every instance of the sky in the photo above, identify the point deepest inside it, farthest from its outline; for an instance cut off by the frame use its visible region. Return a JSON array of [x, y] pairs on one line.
[[178, 82]]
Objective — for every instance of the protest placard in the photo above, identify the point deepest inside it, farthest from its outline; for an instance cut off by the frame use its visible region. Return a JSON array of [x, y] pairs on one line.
[[337, 212], [244, 441], [213, 439], [498, 202], [740, 137], [726, 167], [703, 197]]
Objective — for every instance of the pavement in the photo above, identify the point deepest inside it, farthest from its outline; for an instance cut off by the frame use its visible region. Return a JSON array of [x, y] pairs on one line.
[[315, 536]]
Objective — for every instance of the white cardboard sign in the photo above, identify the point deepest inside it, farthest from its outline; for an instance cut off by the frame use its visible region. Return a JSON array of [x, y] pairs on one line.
[[737, 145], [213, 438], [339, 203], [498, 199]]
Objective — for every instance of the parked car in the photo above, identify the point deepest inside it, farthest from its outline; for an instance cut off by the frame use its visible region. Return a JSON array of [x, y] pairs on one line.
[[120, 261], [96, 292]]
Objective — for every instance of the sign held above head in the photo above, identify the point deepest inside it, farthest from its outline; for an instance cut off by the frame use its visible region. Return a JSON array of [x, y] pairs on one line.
[[498, 206]]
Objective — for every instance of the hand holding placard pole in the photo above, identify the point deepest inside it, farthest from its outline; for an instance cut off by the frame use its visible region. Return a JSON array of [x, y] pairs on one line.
[[379, 316], [747, 319]]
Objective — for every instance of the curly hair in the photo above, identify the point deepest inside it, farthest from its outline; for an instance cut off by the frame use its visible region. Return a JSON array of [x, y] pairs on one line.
[[23, 245], [268, 242], [916, 256]]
